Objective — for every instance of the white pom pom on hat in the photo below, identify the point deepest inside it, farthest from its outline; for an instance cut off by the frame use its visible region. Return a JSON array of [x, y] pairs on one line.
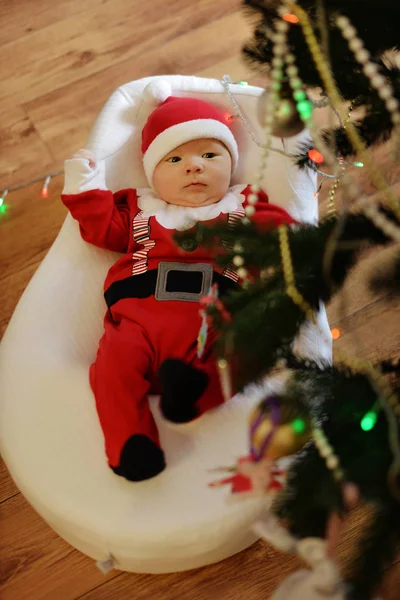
[[156, 92], [176, 121]]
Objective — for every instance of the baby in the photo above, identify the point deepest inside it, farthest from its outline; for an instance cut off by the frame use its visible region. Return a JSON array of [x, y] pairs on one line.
[[153, 291]]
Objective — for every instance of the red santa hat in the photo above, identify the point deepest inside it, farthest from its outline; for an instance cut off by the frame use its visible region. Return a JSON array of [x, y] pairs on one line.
[[176, 121]]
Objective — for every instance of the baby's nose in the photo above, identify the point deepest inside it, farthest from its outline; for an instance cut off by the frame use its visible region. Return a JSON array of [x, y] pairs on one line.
[[194, 166]]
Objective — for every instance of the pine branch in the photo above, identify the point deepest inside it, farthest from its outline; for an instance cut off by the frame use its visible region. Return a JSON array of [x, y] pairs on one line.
[[263, 306], [337, 400], [374, 25]]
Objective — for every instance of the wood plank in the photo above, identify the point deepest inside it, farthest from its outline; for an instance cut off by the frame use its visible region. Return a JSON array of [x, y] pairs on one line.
[[29, 225], [36, 563], [7, 485], [356, 293], [252, 574], [58, 77], [37, 15], [73, 48], [27, 230], [65, 135], [23, 151], [372, 332]]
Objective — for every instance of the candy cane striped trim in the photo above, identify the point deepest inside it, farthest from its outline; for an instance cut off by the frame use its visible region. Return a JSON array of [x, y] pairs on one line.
[[141, 235], [234, 219]]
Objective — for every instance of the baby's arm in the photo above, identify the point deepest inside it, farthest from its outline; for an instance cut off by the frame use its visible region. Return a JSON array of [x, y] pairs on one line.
[[103, 217]]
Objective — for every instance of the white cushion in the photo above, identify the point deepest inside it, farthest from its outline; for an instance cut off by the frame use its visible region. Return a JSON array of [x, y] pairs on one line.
[[49, 432]]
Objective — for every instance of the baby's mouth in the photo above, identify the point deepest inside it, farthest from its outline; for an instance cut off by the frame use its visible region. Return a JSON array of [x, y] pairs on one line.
[[195, 184]]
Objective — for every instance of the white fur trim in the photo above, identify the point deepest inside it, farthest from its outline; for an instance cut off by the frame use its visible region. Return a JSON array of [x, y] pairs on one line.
[[80, 177], [181, 218], [156, 92], [185, 132]]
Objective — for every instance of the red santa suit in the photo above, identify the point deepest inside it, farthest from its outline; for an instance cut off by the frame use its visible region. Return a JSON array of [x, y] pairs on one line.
[[141, 331], [153, 291]]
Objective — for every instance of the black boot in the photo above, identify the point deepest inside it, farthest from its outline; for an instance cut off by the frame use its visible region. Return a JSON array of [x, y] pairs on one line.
[[140, 459], [182, 385]]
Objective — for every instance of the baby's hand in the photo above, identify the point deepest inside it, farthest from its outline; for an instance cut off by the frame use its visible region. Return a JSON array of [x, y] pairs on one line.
[[88, 155]]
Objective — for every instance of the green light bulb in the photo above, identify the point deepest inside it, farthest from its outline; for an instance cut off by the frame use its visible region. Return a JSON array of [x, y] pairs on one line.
[[368, 422], [298, 426], [359, 164], [305, 109], [299, 95]]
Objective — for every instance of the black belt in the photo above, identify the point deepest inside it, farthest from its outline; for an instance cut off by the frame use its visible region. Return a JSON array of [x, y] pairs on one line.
[[187, 282]]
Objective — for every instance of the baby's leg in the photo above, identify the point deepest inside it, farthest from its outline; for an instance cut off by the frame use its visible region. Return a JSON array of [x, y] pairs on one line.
[[189, 388], [212, 395], [119, 379]]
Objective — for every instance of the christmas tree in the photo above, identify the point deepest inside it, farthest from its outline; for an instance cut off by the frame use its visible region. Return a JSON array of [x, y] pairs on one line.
[[320, 53]]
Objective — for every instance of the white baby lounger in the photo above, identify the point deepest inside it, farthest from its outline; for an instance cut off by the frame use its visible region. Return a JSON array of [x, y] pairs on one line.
[[50, 435]]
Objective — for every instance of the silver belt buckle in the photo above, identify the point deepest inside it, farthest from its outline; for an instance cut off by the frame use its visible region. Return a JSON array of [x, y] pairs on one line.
[[164, 269]]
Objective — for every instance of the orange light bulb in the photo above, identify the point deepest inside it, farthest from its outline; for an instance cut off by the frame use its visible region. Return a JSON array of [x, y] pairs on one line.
[[316, 156], [290, 18]]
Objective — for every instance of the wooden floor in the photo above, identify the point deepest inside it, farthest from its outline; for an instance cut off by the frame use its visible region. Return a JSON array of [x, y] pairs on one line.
[[60, 61]]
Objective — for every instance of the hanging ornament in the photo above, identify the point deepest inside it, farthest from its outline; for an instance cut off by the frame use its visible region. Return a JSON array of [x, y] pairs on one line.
[[286, 122], [278, 428]]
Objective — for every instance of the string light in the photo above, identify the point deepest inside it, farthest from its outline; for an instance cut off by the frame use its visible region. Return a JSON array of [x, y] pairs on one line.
[[2, 198], [290, 18], [336, 100], [226, 82], [45, 191], [336, 333], [20, 186], [369, 420]]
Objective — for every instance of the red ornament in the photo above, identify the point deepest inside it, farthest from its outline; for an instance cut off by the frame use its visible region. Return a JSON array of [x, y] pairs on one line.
[[316, 156]]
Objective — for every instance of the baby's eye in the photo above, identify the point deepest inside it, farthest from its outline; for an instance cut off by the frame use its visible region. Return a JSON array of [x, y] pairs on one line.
[[209, 155], [174, 159]]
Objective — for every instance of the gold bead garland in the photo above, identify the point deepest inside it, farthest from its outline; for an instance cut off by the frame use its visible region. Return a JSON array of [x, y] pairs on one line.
[[331, 212], [351, 108], [336, 100], [279, 49], [326, 452], [382, 85], [288, 274]]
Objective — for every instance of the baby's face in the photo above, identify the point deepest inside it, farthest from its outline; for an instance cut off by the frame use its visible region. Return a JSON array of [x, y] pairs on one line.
[[197, 173]]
